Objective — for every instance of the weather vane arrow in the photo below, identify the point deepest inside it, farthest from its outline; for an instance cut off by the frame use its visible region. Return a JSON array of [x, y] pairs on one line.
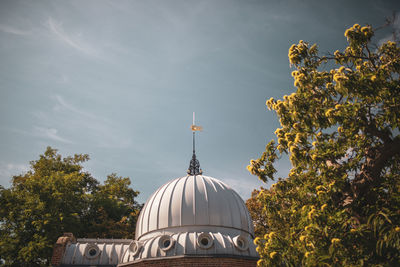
[[194, 127]]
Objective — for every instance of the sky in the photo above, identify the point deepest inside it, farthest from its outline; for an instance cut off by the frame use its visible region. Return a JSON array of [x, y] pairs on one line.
[[119, 80]]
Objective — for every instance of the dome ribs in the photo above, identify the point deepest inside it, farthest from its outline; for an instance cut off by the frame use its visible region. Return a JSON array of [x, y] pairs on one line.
[[213, 214], [243, 211], [225, 192], [204, 210], [147, 212], [194, 199], [186, 210], [159, 204], [169, 203]]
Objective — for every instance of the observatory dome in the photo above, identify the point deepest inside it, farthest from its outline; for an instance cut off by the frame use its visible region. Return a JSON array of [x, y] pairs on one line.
[[194, 215], [194, 201]]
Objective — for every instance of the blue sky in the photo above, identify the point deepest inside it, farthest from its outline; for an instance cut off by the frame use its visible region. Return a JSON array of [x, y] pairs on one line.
[[119, 80]]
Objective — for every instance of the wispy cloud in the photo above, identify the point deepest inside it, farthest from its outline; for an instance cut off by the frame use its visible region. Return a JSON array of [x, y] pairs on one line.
[[7, 170], [98, 129], [50, 133], [74, 41], [61, 104], [40, 131], [12, 30]]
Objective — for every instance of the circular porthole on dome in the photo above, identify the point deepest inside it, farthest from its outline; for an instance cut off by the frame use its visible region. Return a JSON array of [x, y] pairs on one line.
[[240, 242], [135, 247], [205, 241], [166, 242], [92, 251]]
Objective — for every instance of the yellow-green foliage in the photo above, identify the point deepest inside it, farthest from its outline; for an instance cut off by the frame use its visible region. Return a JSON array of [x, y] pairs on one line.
[[339, 205]]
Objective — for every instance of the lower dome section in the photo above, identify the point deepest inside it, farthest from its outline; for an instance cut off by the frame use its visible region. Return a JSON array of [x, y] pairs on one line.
[[190, 244], [194, 262]]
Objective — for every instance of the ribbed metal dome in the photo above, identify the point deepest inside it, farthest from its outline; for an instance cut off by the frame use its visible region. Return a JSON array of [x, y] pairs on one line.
[[195, 203], [193, 216]]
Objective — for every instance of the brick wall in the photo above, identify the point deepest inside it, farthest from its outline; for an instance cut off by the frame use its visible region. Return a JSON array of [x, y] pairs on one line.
[[59, 248], [196, 262]]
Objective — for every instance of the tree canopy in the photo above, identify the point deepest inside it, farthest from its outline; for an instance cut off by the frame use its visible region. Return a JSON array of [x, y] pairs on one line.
[[58, 196], [340, 204], [255, 206]]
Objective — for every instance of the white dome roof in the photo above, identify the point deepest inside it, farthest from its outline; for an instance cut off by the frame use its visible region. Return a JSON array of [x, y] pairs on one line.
[[194, 203], [193, 216]]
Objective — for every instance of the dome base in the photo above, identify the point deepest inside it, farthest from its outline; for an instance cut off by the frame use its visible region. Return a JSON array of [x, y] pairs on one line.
[[194, 262], [192, 244]]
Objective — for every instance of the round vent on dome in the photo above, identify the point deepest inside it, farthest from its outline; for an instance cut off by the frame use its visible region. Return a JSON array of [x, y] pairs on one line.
[[205, 241]]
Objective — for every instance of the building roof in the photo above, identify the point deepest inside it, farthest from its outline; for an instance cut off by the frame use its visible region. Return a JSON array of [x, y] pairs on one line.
[[193, 201], [94, 252]]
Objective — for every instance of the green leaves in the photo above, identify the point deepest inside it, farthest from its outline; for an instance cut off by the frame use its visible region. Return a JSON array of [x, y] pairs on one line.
[[57, 196], [339, 205]]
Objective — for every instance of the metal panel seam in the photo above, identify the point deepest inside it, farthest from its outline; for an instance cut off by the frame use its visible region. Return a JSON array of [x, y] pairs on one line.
[[170, 200], [149, 209], [246, 212], [176, 243], [226, 192], [194, 200], [223, 240], [183, 195], [206, 196], [159, 204]]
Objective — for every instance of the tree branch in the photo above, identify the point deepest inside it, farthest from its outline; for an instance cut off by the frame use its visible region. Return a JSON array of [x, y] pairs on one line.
[[376, 159], [372, 129], [389, 150]]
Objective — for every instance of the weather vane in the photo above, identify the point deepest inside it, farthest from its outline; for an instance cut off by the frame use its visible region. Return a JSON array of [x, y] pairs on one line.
[[194, 166]]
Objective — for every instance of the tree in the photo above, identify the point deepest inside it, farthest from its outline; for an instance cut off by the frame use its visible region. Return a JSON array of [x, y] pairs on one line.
[[113, 211], [58, 196], [255, 206], [340, 204]]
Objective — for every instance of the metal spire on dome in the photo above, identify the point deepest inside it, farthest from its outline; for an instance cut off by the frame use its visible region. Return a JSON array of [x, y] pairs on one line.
[[194, 166]]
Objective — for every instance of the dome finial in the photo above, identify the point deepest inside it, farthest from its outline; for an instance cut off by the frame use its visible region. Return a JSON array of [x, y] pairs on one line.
[[194, 166]]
